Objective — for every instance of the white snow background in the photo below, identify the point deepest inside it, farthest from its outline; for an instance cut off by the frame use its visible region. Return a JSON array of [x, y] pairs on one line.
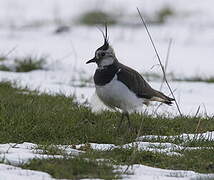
[[28, 26]]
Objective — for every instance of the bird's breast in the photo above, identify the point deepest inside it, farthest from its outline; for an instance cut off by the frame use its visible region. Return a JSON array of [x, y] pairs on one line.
[[116, 94], [104, 76]]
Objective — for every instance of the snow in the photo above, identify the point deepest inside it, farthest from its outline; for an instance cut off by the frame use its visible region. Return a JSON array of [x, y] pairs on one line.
[[67, 54], [8, 172], [166, 147], [28, 28], [60, 82], [209, 136], [99, 147], [16, 154], [150, 173], [21, 153]]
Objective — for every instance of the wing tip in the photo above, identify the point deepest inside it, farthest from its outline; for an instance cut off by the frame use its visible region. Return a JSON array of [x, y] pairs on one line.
[[169, 101]]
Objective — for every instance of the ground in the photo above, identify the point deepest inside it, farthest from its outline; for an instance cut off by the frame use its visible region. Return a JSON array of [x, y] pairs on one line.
[[29, 29]]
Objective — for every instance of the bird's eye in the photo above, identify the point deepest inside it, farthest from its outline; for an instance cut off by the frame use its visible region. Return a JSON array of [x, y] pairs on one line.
[[103, 54]]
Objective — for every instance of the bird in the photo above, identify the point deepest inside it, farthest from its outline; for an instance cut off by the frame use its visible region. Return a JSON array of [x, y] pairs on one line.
[[119, 86]]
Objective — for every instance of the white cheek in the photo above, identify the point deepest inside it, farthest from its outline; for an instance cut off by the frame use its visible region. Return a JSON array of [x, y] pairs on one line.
[[106, 62]]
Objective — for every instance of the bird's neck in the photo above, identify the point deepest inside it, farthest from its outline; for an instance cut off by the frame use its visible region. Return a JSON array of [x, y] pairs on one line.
[[105, 75], [105, 62]]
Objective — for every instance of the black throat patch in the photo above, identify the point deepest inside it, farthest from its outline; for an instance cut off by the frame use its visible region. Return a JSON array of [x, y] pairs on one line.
[[104, 76]]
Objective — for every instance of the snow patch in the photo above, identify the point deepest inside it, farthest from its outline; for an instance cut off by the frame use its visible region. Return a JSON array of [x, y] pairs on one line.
[[209, 136], [150, 173], [17, 154], [8, 172]]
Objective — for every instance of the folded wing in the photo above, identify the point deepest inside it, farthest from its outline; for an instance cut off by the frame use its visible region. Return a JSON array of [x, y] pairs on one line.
[[136, 83]]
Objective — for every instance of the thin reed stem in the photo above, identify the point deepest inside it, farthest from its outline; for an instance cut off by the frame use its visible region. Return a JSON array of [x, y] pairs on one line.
[[159, 59]]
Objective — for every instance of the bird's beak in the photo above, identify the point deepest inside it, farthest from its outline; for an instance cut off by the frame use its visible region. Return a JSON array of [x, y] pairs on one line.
[[91, 60]]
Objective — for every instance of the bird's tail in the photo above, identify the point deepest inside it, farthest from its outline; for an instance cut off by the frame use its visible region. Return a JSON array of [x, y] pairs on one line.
[[160, 97]]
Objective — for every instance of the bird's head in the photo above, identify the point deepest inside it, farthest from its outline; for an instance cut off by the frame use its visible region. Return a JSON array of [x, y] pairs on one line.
[[104, 55]]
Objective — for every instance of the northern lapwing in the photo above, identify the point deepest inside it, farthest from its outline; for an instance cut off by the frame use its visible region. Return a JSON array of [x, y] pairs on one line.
[[119, 86]]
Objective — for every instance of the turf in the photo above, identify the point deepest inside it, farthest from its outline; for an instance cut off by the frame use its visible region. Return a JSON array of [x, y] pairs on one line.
[[47, 119], [75, 168], [196, 160], [29, 116]]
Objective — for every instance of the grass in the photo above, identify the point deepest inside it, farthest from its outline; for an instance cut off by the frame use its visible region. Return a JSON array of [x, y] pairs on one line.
[[102, 164], [95, 17], [87, 81], [25, 64], [153, 76], [201, 142], [117, 17], [163, 14], [171, 76], [4, 68], [160, 16], [29, 116], [47, 119], [196, 160], [197, 79], [75, 168], [29, 63], [3, 58], [50, 150]]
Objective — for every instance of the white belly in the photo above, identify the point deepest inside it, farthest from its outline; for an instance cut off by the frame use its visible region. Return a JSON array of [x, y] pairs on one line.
[[116, 94]]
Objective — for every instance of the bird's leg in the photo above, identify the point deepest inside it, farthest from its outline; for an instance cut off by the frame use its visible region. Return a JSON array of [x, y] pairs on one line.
[[127, 115], [124, 114], [121, 120]]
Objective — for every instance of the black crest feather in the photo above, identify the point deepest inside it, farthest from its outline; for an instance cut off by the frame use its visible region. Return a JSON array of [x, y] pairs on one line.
[[105, 46]]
